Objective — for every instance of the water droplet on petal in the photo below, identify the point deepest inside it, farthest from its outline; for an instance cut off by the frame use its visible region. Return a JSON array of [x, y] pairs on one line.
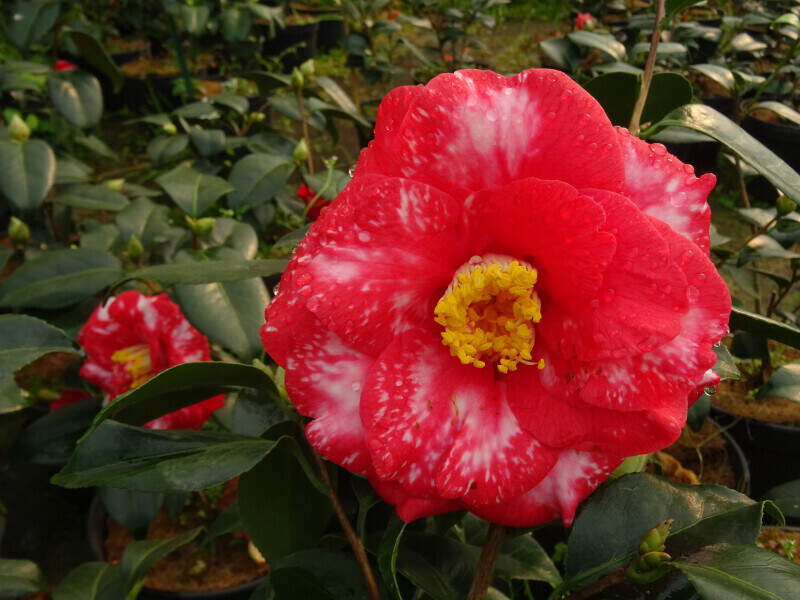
[[658, 149]]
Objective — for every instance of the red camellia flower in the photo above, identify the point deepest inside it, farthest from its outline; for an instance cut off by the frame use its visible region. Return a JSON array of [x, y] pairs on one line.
[[134, 337], [306, 194], [68, 397], [508, 298], [584, 21], [64, 65]]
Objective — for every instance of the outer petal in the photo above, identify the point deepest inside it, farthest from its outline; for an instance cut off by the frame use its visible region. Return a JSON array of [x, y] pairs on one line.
[[572, 479], [431, 419], [384, 252], [667, 189], [473, 130], [410, 508], [324, 379]]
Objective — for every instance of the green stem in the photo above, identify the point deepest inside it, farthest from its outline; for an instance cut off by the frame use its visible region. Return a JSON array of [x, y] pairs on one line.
[[176, 42]]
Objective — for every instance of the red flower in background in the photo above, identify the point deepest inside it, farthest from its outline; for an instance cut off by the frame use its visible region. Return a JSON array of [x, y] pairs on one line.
[[134, 337], [68, 397], [64, 65], [522, 298], [306, 194], [585, 21]]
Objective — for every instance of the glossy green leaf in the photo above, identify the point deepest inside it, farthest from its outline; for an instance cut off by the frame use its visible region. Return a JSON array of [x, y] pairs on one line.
[[210, 272], [236, 23], [11, 396], [77, 96], [162, 149], [664, 49], [19, 578], [89, 581], [92, 52], [234, 234], [749, 321], [779, 108], [764, 246], [132, 509], [208, 141], [787, 497], [268, 82], [616, 517], [30, 20], [599, 41], [192, 190], [229, 313], [27, 172], [711, 122], [140, 556], [784, 383], [281, 508], [120, 455], [58, 278], [717, 73], [257, 178], [744, 42], [97, 146], [194, 17], [725, 366], [51, 439], [71, 170], [387, 556], [231, 100], [147, 221], [197, 110], [337, 94], [271, 143], [672, 8], [254, 412], [92, 197], [561, 51], [739, 571]]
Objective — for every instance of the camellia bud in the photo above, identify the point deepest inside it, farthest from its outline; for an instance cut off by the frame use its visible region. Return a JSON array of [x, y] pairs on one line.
[[204, 226], [135, 248], [19, 232], [18, 130], [170, 128], [300, 152], [654, 539], [785, 205], [308, 68], [115, 184], [297, 79], [257, 117]]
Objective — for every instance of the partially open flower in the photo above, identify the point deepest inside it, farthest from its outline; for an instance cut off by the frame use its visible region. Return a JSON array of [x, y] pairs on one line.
[[64, 65], [585, 21], [134, 337], [508, 298], [307, 195]]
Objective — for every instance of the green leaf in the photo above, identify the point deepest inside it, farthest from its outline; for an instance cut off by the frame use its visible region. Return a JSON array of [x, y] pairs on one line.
[[617, 93], [267, 82], [387, 555], [337, 94], [231, 100], [616, 517], [208, 141], [77, 96], [192, 190], [181, 386], [664, 49], [147, 221], [787, 497], [257, 178], [281, 508], [749, 321], [97, 146], [744, 42], [19, 578], [236, 23], [561, 51], [234, 234], [737, 571], [92, 52], [318, 574], [197, 110], [784, 383], [58, 278], [720, 75], [162, 149], [23, 339], [120, 455], [27, 171], [51, 439], [339, 179], [229, 313], [779, 108], [30, 20], [210, 272], [521, 557], [764, 246], [140, 556], [600, 41], [254, 413], [11, 397], [228, 521], [71, 170], [194, 17], [131, 509], [725, 366], [673, 8], [707, 120], [88, 581], [92, 197]]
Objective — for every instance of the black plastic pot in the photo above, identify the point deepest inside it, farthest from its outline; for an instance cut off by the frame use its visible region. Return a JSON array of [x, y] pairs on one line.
[[783, 139], [302, 37], [330, 24], [96, 534], [773, 451]]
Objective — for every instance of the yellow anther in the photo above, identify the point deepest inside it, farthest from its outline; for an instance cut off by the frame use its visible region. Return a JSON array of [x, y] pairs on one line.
[[136, 361], [488, 314]]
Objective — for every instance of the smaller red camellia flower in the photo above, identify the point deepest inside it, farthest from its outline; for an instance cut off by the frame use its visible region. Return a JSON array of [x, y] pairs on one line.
[[68, 397], [133, 338], [307, 195], [64, 65], [585, 21]]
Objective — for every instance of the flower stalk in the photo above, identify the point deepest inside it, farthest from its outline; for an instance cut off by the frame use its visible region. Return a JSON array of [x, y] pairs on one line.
[[647, 76], [485, 568]]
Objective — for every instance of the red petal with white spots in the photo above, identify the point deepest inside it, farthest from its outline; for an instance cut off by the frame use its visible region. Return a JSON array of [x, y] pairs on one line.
[[385, 251], [410, 508], [473, 130], [572, 479], [667, 189], [324, 379]]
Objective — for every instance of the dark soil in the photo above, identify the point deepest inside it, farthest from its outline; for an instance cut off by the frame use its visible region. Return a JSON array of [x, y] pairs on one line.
[[733, 397], [706, 454], [778, 540]]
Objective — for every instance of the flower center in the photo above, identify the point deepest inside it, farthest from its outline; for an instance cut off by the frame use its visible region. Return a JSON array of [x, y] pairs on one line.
[[136, 361], [488, 312]]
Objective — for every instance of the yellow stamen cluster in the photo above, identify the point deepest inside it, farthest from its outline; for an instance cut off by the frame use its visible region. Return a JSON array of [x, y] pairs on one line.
[[136, 361], [488, 314]]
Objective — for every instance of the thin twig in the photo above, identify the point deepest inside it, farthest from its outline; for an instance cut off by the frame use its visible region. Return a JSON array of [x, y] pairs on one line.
[[647, 76], [349, 532], [485, 568]]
